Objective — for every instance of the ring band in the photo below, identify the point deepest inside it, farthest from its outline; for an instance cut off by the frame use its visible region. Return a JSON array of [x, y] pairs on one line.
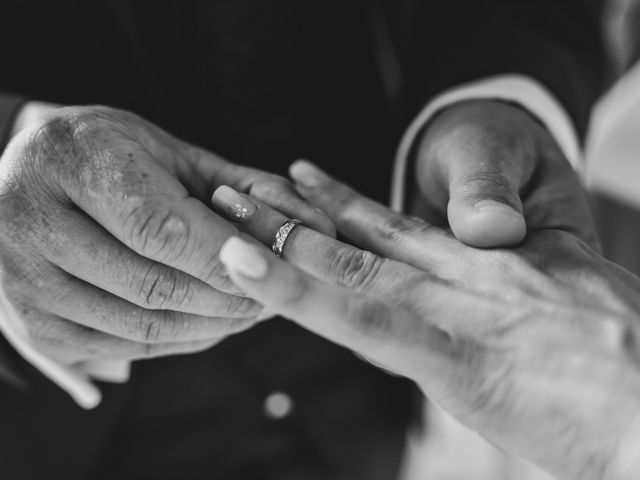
[[283, 233]]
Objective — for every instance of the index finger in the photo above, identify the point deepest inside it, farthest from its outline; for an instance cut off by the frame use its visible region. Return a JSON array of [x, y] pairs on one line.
[[373, 226], [122, 187]]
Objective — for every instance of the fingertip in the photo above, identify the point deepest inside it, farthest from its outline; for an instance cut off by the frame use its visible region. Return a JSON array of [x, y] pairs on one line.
[[243, 258], [488, 224], [306, 174]]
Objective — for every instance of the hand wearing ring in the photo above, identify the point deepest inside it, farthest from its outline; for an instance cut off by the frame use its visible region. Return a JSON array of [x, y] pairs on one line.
[[251, 215]]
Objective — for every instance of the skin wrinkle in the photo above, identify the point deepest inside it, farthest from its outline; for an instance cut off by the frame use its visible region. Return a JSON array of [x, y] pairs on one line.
[[153, 235], [152, 289], [355, 270]]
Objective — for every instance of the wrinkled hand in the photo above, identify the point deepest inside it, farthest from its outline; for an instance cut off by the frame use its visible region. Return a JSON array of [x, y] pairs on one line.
[[491, 171], [536, 348], [106, 249]]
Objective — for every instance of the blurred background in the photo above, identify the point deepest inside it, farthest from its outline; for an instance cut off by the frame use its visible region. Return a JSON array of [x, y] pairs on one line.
[[613, 148], [612, 166]]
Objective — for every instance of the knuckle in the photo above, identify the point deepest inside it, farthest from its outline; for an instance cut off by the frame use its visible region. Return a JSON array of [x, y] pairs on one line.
[[148, 328], [544, 244], [162, 288], [157, 233], [62, 138], [297, 293], [356, 269], [491, 185], [55, 135], [369, 317], [83, 148], [346, 200], [161, 326], [66, 147]]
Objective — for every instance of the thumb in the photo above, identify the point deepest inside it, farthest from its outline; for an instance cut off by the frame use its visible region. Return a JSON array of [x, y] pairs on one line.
[[484, 208], [477, 158]]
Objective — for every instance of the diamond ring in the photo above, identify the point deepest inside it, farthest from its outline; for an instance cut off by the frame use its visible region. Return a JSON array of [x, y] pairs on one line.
[[283, 233]]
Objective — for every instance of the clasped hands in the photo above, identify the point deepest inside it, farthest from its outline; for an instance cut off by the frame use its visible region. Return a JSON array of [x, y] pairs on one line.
[[110, 250]]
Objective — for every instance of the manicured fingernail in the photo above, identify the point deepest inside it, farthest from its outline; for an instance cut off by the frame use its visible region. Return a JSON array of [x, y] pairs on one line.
[[493, 207], [241, 257], [307, 174], [236, 206]]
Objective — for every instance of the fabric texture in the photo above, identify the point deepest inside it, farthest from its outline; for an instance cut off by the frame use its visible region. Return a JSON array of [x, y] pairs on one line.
[[9, 108]]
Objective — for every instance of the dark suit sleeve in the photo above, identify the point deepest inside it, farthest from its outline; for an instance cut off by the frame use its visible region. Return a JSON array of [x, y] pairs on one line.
[[9, 107], [557, 42], [12, 368]]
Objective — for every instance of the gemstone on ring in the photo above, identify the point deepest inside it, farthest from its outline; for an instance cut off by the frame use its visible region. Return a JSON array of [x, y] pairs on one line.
[[282, 234]]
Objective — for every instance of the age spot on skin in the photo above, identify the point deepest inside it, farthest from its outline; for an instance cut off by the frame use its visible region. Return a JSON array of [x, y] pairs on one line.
[[101, 174]]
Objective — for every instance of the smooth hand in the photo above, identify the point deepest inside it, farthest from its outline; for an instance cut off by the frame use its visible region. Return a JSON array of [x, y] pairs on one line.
[[107, 249], [492, 172], [536, 348]]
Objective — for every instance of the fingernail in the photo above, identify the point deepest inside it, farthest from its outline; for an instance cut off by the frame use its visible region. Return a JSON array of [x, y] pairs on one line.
[[307, 174], [494, 207], [241, 257], [236, 206]]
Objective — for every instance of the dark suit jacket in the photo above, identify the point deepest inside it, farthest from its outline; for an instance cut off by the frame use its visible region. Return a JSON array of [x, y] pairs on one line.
[[261, 82]]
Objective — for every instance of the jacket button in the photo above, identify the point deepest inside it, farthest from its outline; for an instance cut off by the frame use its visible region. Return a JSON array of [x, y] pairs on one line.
[[278, 405]]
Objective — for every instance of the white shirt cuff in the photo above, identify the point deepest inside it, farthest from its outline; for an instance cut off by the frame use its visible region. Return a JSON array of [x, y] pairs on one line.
[[520, 89], [76, 379]]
